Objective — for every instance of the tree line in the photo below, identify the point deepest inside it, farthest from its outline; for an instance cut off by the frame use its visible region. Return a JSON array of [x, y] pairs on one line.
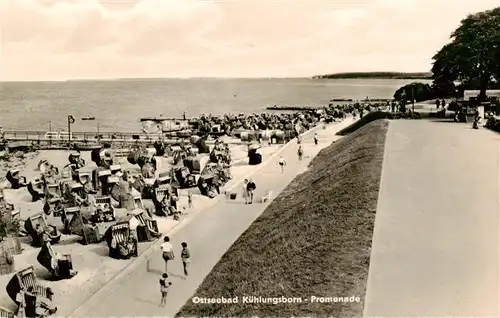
[[470, 61]]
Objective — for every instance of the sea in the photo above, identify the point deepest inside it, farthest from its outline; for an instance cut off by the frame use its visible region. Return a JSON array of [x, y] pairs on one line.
[[117, 105]]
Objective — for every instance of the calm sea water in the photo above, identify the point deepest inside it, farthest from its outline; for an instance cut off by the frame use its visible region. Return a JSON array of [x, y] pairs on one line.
[[117, 105]]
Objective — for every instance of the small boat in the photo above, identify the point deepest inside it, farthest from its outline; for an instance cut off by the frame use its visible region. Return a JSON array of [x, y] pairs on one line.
[[88, 118]]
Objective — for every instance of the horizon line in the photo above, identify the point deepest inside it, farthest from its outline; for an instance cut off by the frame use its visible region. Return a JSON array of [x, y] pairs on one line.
[[196, 77]]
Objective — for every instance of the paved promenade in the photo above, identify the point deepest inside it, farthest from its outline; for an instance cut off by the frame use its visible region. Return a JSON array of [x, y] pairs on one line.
[[209, 235], [436, 239]]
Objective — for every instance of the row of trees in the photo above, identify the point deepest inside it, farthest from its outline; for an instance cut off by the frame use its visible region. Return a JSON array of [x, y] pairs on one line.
[[471, 58]]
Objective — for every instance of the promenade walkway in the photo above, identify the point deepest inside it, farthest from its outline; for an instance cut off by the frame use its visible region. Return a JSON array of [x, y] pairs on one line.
[[436, 241], [209, 235]]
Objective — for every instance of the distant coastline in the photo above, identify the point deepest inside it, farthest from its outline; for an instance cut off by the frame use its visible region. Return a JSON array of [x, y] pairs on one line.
[[376, 75]]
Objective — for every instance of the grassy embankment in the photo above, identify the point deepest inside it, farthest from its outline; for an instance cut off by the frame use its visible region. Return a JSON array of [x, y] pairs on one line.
[[313, 240]]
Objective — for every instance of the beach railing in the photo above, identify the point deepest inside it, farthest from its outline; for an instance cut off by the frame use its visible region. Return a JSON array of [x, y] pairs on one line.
[[78, 136]]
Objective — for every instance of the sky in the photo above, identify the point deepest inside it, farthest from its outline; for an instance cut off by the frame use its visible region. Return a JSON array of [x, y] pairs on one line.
[[88, 39]]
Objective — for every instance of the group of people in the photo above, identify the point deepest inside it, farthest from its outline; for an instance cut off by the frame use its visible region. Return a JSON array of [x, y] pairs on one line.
[[168, 255], [248, 190], [300, 150]]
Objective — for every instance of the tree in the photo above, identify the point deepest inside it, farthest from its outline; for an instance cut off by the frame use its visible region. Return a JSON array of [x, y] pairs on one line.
[[473, 54], [417, 91]]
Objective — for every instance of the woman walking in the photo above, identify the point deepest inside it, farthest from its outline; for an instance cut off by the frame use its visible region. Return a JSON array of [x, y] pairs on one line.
[[164, 285], [186, 257], [167, 252], [300, 152], [244, 192]]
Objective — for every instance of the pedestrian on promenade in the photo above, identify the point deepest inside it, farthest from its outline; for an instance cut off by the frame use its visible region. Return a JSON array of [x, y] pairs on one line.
[[300, 152], [164, 286], [186, 257], [245, 191], [167, 251], [250, 189], [316, 139], [282, 163], [190, 199]]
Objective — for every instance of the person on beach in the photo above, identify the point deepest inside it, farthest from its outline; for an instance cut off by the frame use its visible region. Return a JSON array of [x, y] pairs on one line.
[[300, 152], [167, 251], [250, 189], [282, 163], [245, 191], [164, 286], [316, 139], [186, 257]]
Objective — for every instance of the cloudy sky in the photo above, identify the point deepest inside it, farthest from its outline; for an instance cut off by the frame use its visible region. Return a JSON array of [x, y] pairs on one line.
[[70, 39]]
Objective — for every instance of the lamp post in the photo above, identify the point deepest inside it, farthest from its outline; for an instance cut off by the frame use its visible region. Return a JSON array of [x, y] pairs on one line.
[[413, 99], [98, 134], [71, 120]]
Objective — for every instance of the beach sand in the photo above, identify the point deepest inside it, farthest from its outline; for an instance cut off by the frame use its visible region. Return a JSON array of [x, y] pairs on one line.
[[92, 262]]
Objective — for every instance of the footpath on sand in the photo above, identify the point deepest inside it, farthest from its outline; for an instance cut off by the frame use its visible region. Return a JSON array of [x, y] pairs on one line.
[[435, 249], [209, 236]]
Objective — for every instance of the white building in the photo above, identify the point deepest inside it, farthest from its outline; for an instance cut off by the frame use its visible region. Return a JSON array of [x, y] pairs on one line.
[[474, 93]]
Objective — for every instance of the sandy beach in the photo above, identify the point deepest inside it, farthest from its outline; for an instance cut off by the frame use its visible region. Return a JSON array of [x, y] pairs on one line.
[[92, 262]]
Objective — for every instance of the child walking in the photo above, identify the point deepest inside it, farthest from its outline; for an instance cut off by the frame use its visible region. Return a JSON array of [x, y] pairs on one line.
[[282, 163], [164, 285], [186, 257]]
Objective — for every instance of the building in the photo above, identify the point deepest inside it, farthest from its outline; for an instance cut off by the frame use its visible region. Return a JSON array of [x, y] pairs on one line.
[[474, 93]]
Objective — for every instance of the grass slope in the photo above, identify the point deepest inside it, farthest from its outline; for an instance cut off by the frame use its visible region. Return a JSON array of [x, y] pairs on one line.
[[368, 118], [314, 238]]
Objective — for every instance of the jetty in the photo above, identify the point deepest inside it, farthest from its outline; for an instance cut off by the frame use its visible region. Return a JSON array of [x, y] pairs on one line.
[[293, 108], [160, 119], [341, 100]]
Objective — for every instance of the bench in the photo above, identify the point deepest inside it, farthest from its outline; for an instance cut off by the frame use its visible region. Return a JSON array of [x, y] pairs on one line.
[[267, 196]]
